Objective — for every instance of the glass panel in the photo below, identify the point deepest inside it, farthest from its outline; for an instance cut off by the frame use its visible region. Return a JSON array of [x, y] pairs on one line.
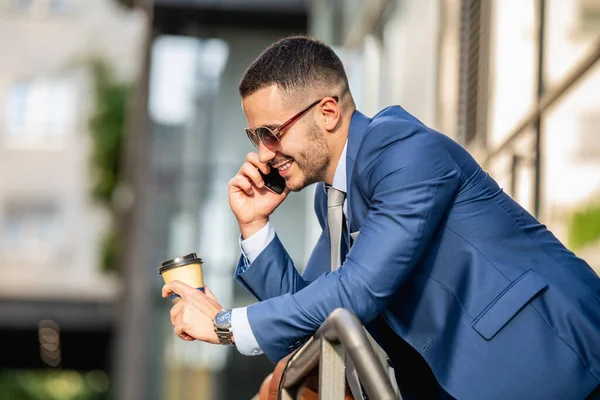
[[16, 106], [40, 109], [59, 6], [571, 168], [514, 170], [60, 108], [512, 67], [571, 28], [28, 227]]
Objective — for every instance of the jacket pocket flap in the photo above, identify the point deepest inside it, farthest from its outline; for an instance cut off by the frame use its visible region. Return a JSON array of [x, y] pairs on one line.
[[508, 304]]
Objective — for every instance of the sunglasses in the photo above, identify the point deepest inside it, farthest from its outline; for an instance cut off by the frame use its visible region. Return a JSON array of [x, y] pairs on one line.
[[270, 137]]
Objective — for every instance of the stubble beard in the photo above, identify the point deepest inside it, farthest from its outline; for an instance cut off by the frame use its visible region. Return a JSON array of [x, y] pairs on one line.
[[313, 160]]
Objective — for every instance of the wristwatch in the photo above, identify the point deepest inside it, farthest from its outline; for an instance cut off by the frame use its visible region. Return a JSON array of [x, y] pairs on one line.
[[222, 324]]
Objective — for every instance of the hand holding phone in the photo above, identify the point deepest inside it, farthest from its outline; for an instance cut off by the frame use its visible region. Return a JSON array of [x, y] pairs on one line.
[[273, 181], [250, 202]]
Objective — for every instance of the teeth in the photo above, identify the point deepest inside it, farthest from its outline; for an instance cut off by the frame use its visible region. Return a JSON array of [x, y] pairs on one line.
[[285, 166]]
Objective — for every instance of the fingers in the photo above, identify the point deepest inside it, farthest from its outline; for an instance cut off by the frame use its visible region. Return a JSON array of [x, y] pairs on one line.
[[178, 323], [251, 171], [242, 183], [174, 313], [178, 287], [192, 317], [205, 302], [187, 337], [166, 291], [179, 331], [252, 158]]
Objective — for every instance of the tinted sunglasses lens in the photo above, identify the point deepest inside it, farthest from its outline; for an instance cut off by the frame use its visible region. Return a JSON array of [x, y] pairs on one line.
[[267, 138], [253, 137]]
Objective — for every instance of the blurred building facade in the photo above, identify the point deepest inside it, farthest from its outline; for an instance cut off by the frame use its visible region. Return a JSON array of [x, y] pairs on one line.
[[50, 228], [534, 55]]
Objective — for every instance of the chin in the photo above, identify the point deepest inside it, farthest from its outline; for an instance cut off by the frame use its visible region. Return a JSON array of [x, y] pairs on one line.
[[295, 185], [295, 188]]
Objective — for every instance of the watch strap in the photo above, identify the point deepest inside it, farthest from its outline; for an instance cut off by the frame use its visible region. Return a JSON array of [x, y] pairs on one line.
[[224, 334]]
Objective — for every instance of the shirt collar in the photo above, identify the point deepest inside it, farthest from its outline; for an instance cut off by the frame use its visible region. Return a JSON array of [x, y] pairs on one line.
[[339, 178]]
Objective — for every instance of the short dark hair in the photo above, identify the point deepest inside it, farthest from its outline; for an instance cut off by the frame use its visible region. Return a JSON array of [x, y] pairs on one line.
[[294, 63]]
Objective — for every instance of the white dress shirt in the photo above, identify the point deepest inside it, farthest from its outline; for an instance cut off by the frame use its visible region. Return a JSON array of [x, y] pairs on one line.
[[245, 341]]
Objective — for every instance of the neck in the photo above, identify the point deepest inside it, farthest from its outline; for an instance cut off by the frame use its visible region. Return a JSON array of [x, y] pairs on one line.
[[336, 147]]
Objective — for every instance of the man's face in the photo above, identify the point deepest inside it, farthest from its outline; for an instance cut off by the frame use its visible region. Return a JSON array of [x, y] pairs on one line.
[[302, 156]]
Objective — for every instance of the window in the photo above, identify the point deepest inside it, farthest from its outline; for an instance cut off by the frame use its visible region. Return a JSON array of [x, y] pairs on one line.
[[29, 228], [21, 5], [40, 111], [41, 6], [17, 105], [587, 143], [58, 7]]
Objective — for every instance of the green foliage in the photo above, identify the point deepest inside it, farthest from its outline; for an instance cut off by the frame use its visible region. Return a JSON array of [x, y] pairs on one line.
[[127, 3], [107, 128], [53, 385], [109, 250], [585, 226]]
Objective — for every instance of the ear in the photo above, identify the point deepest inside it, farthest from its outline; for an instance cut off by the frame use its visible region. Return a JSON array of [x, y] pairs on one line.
[[330, 113]]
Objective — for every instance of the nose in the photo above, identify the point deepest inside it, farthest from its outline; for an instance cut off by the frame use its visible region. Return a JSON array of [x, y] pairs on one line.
[[264, 154]]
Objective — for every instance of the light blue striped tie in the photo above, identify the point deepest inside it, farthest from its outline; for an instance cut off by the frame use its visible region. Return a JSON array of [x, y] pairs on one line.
[[335, 215]]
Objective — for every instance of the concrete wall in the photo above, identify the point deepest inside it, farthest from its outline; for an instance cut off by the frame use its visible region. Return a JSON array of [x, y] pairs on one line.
[[40, 43]]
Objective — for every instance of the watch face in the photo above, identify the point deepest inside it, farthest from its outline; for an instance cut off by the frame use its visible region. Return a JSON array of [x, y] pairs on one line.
[[223, 319]]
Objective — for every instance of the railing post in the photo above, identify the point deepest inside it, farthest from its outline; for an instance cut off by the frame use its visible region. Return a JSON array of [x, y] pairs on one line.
[[332, 378]]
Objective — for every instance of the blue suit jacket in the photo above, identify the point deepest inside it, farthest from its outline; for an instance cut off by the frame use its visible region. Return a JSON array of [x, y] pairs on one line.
[[452, 277]]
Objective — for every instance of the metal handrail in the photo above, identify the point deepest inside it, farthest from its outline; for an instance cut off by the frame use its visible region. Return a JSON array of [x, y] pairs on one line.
[[549, 98], [340, 335]]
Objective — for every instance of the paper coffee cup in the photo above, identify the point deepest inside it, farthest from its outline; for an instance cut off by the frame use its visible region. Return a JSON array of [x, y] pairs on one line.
[[187, 269]]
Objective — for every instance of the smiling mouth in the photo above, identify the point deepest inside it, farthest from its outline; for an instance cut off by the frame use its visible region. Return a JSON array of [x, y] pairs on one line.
[[283, 166]]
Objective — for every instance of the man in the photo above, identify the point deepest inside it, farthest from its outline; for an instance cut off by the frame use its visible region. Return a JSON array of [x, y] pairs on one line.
[[468, 294]]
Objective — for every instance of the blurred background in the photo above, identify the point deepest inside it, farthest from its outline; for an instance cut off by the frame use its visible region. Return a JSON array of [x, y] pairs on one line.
[[120, 126]]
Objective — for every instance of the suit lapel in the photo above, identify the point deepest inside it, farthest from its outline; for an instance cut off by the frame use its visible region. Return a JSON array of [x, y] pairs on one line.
[[358, 128]]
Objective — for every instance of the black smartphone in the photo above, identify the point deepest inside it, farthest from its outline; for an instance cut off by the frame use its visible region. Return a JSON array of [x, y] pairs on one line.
[[273, 181]]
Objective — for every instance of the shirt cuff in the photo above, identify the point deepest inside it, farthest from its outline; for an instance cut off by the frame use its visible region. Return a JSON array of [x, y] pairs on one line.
[[255, 244], [242, 333]]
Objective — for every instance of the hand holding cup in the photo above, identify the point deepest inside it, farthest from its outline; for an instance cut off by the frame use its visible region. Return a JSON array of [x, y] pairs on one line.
[[187, 269]]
